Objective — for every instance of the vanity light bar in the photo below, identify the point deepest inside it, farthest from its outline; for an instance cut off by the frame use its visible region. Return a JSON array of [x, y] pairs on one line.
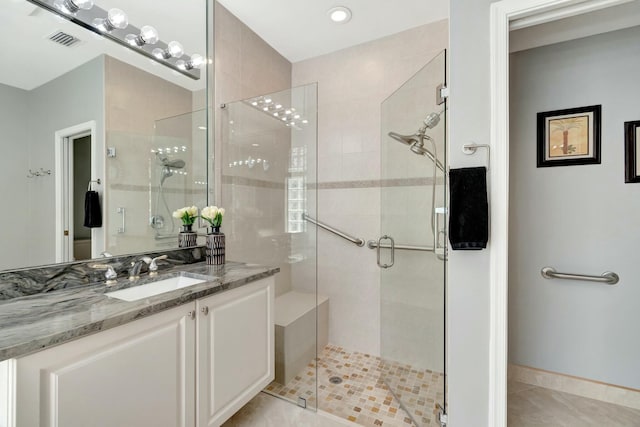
[[113, 25]]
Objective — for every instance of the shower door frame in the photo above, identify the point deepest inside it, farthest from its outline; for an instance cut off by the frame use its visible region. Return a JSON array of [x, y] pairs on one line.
[[507, 15]]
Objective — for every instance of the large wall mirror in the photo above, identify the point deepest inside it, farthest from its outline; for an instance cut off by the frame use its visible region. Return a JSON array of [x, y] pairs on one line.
[[77, 107]]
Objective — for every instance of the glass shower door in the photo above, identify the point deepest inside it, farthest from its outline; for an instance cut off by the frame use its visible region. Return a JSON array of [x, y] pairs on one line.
[[268, 187], [412, 250]]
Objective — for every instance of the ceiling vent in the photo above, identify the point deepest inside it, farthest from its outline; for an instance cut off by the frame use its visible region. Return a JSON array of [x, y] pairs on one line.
[[64, 39]]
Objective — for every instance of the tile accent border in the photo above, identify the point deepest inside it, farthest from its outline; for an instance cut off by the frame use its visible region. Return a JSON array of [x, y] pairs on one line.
[[597, 390], [375, 183], [251, 182]]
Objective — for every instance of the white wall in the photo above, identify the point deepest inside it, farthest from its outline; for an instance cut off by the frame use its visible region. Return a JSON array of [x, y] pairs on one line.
[[575, 218], [468, 272]]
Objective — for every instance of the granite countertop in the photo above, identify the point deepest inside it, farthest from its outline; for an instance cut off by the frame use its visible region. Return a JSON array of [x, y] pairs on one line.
[[32, 323]]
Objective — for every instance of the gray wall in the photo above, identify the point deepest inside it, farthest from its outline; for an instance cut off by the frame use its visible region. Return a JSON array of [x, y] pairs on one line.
[[14, 184], [575, 218], [73, 98]]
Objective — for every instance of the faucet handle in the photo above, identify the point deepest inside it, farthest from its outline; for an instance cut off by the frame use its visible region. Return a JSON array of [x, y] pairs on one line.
[[153, 267], [110, 274]]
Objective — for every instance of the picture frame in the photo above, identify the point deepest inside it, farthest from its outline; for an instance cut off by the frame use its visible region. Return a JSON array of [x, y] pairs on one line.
[[569, 137], [631, 160]]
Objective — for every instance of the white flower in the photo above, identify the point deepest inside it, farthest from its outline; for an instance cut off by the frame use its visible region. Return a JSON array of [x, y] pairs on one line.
[[178, 213], [221, 211], [209, 212], [192, 211]]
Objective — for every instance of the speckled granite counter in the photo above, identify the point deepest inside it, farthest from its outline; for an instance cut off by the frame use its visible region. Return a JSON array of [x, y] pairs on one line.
[[35, 322]]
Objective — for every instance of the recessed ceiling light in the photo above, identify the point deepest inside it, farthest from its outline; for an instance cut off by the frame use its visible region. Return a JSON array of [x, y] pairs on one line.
[[340, 14]]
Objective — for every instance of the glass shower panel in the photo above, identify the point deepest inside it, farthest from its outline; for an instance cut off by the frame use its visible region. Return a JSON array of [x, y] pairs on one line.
[[268, 185], [413, 198], [177, 171]]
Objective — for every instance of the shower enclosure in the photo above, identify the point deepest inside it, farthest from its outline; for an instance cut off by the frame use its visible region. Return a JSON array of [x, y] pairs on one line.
[[412, 250], [268, 184], [177, 173]]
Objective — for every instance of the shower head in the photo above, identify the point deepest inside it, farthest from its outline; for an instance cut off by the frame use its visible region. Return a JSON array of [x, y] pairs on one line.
[[168, 166], [416, 145], [175, 163]]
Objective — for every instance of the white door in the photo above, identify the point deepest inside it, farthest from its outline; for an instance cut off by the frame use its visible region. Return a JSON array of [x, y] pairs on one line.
[[139, 374], [235, 349]]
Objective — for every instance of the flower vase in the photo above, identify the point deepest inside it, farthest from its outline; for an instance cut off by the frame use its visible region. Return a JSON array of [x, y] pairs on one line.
[[187, 237], [215, 247]]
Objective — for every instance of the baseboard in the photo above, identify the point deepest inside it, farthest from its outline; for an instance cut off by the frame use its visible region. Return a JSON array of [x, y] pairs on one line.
[[604, 392]]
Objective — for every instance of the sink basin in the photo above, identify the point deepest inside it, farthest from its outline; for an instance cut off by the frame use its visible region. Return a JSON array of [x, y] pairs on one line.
[[160, 286]]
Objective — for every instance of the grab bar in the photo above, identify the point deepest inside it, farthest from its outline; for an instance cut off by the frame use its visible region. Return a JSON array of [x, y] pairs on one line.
[[355, 240], [372, 244], [608, 277]]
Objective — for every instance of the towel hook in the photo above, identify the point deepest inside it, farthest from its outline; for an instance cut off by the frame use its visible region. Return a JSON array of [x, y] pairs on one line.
[[97, 181], [470, 149]]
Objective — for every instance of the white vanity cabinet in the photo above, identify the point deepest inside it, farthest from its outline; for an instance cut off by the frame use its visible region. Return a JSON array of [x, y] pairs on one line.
[[235, 350], [193, 365]]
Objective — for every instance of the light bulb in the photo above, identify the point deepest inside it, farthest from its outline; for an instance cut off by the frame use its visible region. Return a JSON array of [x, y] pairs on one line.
[[116, 19], [181, 64], [175, 49], [196, 61], [149, 34]]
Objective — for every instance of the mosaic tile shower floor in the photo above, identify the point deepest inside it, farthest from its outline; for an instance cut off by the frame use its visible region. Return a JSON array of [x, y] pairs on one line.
[[363, 397]]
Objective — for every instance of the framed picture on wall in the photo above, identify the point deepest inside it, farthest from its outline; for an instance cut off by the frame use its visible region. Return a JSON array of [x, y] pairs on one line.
[[631, 160], [569, 137]]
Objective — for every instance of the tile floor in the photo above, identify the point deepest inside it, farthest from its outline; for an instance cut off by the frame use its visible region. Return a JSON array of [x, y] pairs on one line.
[[268, 411], [532, 406], [363, 397]]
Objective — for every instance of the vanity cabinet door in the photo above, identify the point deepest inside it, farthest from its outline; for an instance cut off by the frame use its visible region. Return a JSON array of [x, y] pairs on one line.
[[138, 374], [235, 349]]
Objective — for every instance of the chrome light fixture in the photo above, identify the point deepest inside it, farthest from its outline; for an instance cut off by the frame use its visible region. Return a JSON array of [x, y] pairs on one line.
[[114, 25], [71, 7]]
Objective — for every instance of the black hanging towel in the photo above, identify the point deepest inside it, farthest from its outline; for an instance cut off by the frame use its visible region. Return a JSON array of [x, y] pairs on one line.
[[469, 209], [92, 211]]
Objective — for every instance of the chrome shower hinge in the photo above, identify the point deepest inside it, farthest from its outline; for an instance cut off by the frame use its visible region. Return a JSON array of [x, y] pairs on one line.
[[302, 402], [442, 93], [443, 418]]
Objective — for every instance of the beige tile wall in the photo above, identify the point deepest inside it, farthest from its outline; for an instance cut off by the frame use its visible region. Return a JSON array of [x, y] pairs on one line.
[[246, 66], [134, 101], [352, 84]]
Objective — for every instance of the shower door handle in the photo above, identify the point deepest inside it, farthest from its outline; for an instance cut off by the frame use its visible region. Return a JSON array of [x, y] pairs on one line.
[[123, 212], [393, 248]]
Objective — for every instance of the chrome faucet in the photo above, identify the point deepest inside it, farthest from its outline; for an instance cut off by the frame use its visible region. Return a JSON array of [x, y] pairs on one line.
[[110, 275], [134, 271], [153, 267]]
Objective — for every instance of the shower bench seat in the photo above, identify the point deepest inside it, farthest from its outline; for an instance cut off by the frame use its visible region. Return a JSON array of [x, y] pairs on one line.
[[295, 326]]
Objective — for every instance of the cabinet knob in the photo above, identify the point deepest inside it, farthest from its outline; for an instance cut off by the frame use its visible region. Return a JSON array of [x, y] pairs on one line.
[[192, 315], [205, 310]]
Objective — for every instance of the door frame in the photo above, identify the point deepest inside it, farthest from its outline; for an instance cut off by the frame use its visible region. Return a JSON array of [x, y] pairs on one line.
[[62, 143], [506, 15]]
